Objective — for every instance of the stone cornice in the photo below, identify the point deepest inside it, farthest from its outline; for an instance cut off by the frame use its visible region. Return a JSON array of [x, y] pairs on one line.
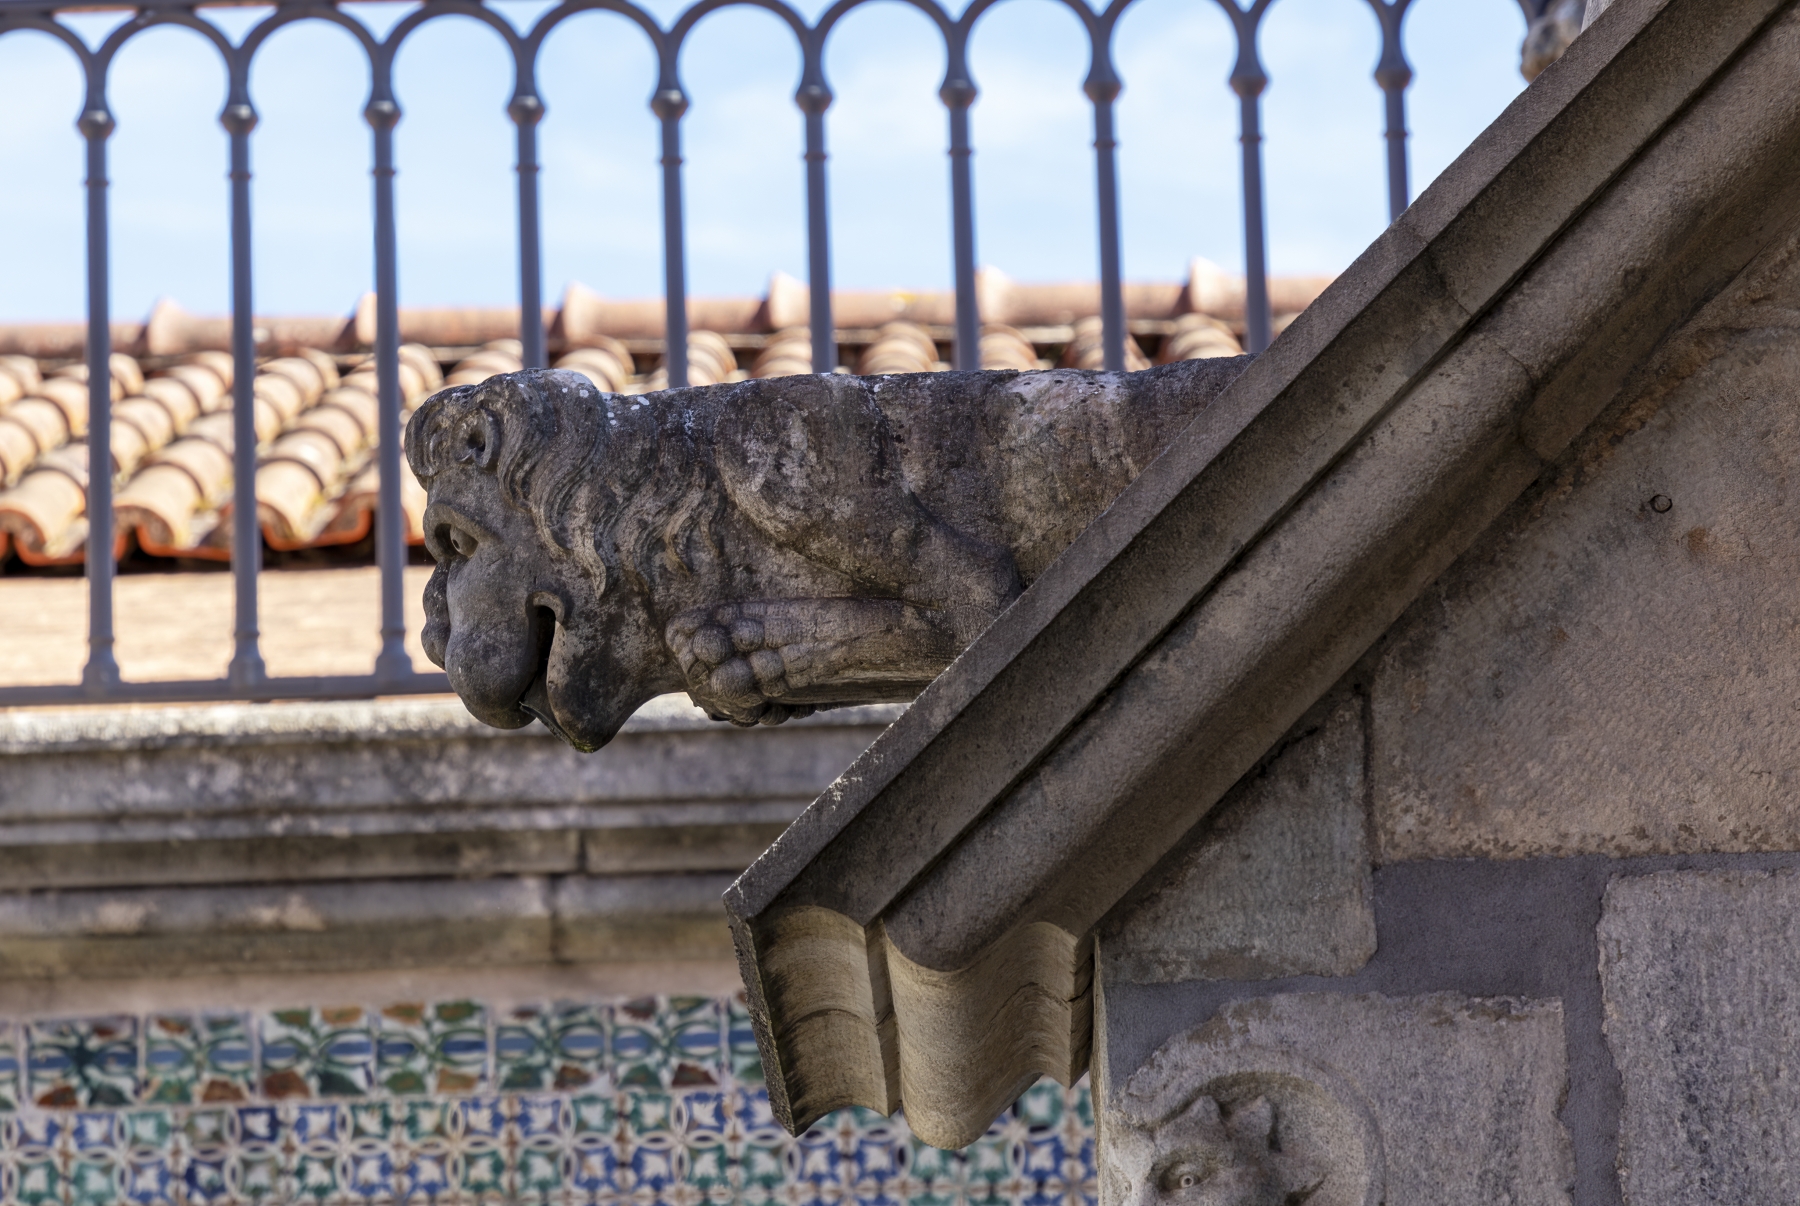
[[921, 936]]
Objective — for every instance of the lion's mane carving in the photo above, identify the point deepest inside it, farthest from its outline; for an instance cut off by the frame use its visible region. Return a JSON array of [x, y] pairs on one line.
[[768, 546]]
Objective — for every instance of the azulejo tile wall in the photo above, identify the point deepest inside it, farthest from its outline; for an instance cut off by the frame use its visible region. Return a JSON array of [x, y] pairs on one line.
[[648, 1101]]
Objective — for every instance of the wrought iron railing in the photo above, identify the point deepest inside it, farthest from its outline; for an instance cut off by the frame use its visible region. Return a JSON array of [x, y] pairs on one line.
[[393, 672]]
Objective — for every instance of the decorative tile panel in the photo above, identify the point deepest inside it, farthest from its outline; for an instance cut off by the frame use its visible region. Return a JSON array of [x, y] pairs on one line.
[[648, 1102], [311, 1052]]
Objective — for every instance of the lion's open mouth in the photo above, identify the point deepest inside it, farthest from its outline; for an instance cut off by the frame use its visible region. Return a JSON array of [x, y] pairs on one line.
[[536, 699]]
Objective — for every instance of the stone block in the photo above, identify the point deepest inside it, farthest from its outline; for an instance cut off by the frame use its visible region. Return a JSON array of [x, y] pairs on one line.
[[1277, 885], [1702, 995], [1340, 1100], [1610, 670]]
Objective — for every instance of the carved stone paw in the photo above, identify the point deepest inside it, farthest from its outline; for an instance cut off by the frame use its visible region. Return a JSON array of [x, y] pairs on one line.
[[733, 664]]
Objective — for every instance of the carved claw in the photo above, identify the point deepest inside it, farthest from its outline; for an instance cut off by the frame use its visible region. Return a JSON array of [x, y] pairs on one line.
[[734, 669], [762, 661]]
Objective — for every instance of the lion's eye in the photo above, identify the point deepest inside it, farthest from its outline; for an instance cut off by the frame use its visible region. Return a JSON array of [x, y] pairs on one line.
[[462, 542], [1185, 1175]]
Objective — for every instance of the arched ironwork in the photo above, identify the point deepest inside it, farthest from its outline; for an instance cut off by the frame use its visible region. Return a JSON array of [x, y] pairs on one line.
[[393, 673]]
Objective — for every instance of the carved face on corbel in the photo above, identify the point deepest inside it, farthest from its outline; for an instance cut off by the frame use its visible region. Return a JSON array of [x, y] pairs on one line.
[[522, 611], [1272, 1130]]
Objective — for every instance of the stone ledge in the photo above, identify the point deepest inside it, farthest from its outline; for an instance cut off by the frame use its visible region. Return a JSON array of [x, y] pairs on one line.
[[394, 788], [343, 926]]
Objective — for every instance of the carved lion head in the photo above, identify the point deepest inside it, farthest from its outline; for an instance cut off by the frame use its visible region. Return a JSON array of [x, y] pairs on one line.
[[539, 516]]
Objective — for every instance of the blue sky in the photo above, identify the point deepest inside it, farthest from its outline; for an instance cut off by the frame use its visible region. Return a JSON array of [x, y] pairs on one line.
[[1034, 184]]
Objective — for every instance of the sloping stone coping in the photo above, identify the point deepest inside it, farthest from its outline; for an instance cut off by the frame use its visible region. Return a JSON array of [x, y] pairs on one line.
[[923, 934]]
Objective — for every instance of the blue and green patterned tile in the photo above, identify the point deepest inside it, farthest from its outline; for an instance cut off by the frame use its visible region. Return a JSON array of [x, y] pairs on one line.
[[426, 1120], [204, 1180], [149, 1181], [308, 1052], [813, 1158], [371, 1120], [10, 1067], [539, 1118], [96, 1130], [313, 1125], [560, 1047], [206, 1129], [315, 1176], [483, 1175], [652, 1164], [876, 1161], [1042, 1104], [702, 1117], [578, 1033], [708, 1167], [148, 1130], [1043, 1157], [750, 1109], [696, 1031], [524, 1049], [94, 1182], [939, 1170], [594, 1168], [425, 1177], [483, 1119], [1083, 1104], [37, 1182], [667, 1042], [594, 1114], [539, 1172], [33, 1129], [82, 1062], [257, 1176], [987, 1161], [259, 1125], [763, 1165], [640, 1056], [369, 1173], [649, 1113], [190, 1059], [437, 1048], [743, 1059]]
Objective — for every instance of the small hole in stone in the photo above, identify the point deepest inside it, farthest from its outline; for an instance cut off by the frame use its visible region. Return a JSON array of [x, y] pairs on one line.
[[1660, 503]]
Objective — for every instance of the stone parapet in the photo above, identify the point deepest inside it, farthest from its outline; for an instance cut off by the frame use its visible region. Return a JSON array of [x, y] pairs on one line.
[[386, 834]]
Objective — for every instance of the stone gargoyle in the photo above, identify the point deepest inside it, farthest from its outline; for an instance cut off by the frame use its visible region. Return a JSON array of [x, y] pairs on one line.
[[769, 546]]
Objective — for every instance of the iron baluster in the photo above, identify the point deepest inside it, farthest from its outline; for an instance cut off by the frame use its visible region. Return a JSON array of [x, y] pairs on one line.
[[393, 662], [101, 673], [527, 110], [246, 667], [1102, 87], [1248, 79], [814, 98], [1393, 74], [958, 93], [669, 104]]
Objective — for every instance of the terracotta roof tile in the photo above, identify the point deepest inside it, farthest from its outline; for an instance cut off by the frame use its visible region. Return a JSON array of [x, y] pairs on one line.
[[1086, 352], [317, 483]]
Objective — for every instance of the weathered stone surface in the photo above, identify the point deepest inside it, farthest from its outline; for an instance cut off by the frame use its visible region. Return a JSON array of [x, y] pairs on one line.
[[770, 546], [254, 793], [1275, 884], [1611, 670], [1703, 1017], [1341, 1100], [953, 877], [351, 836]]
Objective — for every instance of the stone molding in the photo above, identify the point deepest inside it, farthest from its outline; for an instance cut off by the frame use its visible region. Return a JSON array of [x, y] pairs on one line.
[[956, 872], [185, 841]]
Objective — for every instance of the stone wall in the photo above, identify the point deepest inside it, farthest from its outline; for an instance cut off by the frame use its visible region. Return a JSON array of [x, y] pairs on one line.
[[1509, 917]]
